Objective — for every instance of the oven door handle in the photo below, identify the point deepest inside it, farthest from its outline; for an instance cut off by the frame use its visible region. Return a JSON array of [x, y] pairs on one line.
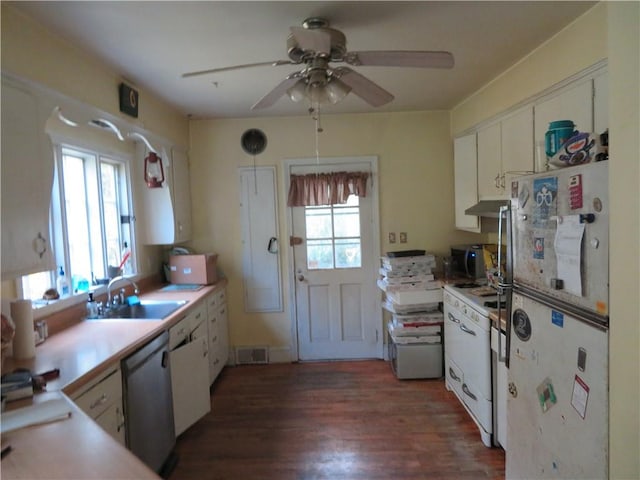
[[467, 392], [466, 329], [452, 318]]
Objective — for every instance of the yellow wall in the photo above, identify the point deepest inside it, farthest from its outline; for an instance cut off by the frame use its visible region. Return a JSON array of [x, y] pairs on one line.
[[578, 46], [30, 51], [610, 29], [624, 185], [416, 190]]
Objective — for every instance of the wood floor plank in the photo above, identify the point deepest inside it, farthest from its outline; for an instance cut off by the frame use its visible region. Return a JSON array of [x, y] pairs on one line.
[[333, 421]]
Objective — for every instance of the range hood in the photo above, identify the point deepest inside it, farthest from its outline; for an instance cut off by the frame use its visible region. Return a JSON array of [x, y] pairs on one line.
[[487, 208]]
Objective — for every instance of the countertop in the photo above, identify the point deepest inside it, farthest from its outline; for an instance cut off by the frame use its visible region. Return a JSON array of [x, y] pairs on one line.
[[78, 447]]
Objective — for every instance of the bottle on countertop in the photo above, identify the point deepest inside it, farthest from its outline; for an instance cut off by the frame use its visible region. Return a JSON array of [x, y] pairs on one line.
[[92, 307], [62, 284]]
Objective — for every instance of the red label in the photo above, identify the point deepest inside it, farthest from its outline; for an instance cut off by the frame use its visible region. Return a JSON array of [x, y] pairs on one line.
[[575, 192]]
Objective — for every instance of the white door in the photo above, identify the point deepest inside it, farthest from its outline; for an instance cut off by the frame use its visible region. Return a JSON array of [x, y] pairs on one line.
[[337, 302]]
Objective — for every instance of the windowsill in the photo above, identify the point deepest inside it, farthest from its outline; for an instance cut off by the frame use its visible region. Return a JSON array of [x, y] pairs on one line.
[[44, 308]]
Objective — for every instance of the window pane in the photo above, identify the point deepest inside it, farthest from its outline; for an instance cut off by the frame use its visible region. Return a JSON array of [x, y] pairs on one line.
[[109, 178], [75, 204], [319, 254], [318, 222], [348, 253], [347, 222]]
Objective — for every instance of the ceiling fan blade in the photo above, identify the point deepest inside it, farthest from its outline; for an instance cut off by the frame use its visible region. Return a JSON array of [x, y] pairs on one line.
[[275, 63], [401, 58], [370, 92], [312, 39], [280, 89]]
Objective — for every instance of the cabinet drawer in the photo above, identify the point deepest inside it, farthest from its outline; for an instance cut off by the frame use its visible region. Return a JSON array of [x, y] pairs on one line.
[[179, 332], [214, 302], [112, 421], [101, 395]]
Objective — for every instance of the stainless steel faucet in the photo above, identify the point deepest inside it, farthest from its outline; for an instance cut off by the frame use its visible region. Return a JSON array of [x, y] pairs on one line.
[[136, 291]]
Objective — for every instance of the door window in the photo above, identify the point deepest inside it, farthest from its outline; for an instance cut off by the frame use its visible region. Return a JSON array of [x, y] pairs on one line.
[[333, 236]]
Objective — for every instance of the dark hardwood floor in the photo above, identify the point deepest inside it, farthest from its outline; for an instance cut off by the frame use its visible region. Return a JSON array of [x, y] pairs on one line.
[[333, 420]]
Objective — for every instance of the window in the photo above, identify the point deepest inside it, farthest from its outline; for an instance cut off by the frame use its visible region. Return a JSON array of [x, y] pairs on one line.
[[89, 221], [333, 235]]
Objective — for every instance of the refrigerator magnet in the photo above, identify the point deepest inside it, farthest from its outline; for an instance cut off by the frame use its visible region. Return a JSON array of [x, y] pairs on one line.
[[580, 396], [546, 395], [538, 248]]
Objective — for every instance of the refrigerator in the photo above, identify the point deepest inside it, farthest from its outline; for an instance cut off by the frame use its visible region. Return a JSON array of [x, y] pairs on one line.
[[557, 290]]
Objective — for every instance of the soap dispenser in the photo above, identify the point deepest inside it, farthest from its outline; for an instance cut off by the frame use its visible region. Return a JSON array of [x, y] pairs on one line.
[[92, 307], [62, 284]]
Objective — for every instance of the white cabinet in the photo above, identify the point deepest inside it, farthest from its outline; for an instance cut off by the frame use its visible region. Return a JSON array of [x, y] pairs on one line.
[[166, 211], [218, 333], [27, 179], [601, 103], [101, 399], [189, 353], [489, 162], [465, 181], [572, 103], [505, 150]]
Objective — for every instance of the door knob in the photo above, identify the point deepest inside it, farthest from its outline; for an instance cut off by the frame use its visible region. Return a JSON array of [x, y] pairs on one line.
[[300, 277]]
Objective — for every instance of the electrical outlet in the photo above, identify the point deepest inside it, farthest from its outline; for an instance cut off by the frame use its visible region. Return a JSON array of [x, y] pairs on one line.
[[403, 237], [392, 237]]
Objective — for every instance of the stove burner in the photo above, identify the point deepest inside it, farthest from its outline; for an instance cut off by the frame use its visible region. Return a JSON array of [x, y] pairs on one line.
[[467, 285], [494, 304]]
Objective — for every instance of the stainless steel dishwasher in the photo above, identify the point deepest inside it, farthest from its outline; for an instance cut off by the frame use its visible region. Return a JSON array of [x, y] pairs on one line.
[[148, 404]]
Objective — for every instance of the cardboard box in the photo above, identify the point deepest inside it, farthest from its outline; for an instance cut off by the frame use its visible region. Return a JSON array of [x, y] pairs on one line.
[[197, 269]]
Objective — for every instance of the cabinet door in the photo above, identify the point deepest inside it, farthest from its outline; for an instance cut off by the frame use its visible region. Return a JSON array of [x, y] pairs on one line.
[[574, 103], [489, 163], [189, 382], [601, 103], [465, 181], [112, 422], [181, 193], [27, 179], [517, 146]]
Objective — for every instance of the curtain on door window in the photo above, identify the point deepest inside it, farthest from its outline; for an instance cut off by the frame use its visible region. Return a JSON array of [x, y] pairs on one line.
[[326, 188]]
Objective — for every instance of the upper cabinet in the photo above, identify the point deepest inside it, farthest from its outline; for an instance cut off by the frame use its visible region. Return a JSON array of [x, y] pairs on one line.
[[489, 162], [465, 181], [506, 146], [505, 150], [165, 212], [573, 103], [27, 180]]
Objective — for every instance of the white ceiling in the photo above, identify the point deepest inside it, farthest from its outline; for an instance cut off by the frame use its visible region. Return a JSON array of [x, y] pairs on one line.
[[152, 43]]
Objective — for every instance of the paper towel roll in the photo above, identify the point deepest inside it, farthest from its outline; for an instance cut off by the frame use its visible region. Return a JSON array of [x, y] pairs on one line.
[[24, 345]]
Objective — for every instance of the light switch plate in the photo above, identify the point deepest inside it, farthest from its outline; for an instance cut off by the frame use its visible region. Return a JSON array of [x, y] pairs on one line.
[[392, 237], [403, 237]]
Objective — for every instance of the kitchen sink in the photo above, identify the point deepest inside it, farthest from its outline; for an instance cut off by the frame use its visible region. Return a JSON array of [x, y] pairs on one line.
[[145, 310]]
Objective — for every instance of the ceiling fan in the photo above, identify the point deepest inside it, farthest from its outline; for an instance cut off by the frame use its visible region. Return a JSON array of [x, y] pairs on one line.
[[315, 45]]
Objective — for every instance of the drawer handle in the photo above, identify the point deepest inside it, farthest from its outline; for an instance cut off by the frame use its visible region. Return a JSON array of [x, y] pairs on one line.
[[467, 392], [453, 375], [98, 401], [120, 419], [223, 311], [452, 318], [214, 339], [216, 361], [466, 329]]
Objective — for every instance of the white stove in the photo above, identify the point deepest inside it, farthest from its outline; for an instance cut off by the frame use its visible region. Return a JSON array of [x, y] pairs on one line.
[[467, 344]]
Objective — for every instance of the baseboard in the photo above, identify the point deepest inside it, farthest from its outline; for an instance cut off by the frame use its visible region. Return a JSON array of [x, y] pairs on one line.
[[280, 355]]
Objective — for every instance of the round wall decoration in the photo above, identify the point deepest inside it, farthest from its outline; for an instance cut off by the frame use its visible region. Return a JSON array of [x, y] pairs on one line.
[[253, 141]]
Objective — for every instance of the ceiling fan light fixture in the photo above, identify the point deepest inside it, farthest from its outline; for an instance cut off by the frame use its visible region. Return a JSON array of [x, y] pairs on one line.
[[298, 92], [336, 90]]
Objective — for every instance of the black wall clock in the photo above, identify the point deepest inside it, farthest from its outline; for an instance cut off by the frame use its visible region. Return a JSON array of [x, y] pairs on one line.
[[128, 100], [253, 141]]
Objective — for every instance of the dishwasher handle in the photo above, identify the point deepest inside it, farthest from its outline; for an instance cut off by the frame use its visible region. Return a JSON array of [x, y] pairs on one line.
[[165, 359]]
